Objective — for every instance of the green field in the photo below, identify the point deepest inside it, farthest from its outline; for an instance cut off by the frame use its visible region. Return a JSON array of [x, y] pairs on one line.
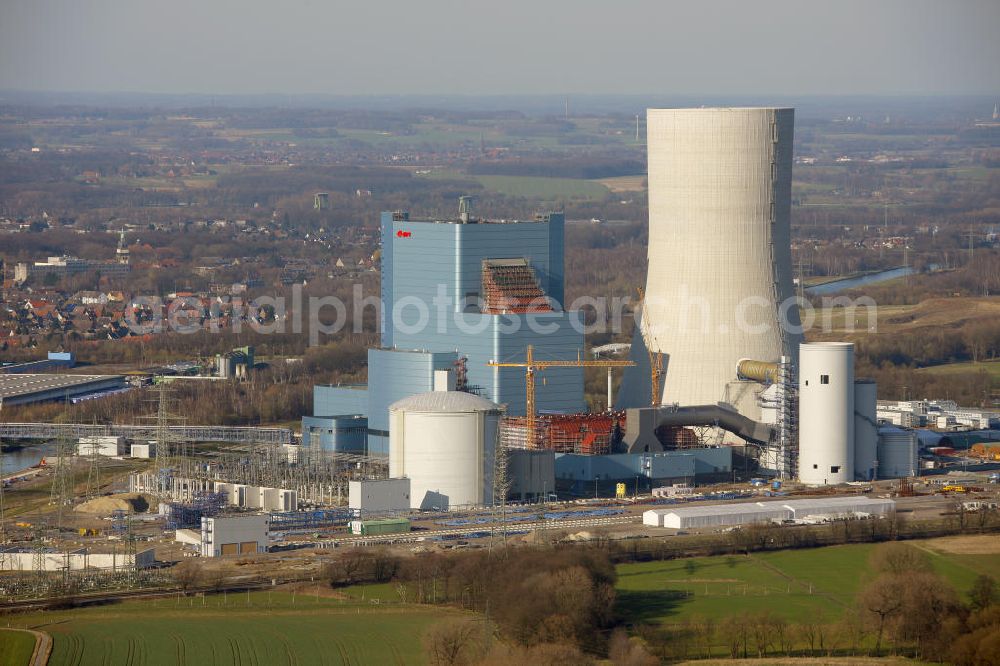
[[262, 628], [543, 188], [16, 647], [991, 367], [537, 187], [792, 584]]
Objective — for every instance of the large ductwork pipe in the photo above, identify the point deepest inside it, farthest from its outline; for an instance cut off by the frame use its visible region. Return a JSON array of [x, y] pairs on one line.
[[758, 371], [641, 424]]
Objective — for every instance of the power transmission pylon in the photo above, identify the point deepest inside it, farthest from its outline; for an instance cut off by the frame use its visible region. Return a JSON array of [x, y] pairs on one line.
[[3, 527], [60, 493], [93, 472], [501, 486], [38, 557], [165, 461]]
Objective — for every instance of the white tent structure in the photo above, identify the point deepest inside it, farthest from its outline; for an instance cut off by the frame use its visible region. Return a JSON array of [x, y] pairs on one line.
[[746, 513]]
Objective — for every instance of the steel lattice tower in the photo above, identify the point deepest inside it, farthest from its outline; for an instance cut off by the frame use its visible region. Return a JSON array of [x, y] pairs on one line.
[[62, 480], [501, 486]]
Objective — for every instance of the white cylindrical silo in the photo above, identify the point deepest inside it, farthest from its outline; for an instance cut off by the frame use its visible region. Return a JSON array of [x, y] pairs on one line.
[[897, 453], [865, 430], [719, 277], [826, 413], [444, 442]]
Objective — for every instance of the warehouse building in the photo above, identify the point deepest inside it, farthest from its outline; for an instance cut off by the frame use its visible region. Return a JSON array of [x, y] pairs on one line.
[[25, 389], [233, 535], [746, 513], [101, 445]]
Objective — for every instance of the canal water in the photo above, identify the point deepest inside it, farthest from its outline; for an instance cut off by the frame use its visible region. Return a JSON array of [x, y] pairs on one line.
[[837, 286], [15, 461]]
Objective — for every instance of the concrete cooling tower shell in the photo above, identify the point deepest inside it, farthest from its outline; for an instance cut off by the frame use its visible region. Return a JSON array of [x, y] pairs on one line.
[[719, 253]]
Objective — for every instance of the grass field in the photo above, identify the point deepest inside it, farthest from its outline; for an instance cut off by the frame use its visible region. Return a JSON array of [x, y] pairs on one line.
[[539, 187], [624, 183], [792, 584], [991, 367], [543, 188], [930, 314], [263, 628], [16, 647]]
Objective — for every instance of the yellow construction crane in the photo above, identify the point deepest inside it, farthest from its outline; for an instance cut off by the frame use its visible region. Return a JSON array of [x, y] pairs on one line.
[[531, 366], [655, 357]]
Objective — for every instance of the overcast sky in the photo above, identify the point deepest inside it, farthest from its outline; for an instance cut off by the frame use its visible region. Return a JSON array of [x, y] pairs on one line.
[[795, 47]]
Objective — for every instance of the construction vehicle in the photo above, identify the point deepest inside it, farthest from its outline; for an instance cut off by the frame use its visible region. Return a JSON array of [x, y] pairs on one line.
[[532, 366], [954, 489]]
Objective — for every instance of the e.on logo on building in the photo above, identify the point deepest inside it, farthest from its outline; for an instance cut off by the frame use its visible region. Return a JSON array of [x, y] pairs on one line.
[[403, 234]]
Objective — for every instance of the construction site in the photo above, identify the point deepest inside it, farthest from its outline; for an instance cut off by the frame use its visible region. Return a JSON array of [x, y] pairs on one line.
[[482, 418]]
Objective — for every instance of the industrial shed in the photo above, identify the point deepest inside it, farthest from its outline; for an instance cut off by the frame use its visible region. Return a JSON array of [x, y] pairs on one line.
[[745, 513], [717, 515], [840, 506]]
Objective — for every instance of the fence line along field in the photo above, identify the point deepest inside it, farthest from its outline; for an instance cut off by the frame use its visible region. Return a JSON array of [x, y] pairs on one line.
[[792, 584], [238, 628]]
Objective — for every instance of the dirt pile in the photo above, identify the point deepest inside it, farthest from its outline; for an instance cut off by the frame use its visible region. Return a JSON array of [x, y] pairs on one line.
[[105, 506]]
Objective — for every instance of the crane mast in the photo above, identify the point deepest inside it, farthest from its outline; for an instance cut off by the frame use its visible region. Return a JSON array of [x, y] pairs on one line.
[[532, 366]]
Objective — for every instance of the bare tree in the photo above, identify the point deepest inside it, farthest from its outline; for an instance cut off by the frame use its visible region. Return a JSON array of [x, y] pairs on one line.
[[447, 643], [187, 574], [882, 601], [983, 592], [898, 559]]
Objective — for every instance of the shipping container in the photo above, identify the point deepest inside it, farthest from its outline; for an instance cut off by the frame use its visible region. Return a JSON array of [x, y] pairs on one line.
[[379, 527]]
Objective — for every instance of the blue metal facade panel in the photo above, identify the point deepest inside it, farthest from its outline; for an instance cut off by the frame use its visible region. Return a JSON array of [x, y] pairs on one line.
[[625, 466], [393, 375], [339, 400], [559, 337], [339, 434], [483, 338], [423, 259], [712, 461]]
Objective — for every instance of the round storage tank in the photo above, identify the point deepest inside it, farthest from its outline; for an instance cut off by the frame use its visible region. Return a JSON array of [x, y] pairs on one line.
[[897, 453], [444, 442], [826, 413], [865, 430]]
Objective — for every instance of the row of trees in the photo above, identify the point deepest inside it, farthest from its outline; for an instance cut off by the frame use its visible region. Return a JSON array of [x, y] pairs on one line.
[[562, 596], [549, 605]]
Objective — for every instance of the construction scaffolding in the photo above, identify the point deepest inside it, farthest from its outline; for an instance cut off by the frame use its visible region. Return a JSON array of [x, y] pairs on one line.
[[182, 515], [293, 521], [587, 434], [510, 287]]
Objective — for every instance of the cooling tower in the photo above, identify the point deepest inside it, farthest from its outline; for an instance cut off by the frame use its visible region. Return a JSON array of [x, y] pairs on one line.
[[719, 277]]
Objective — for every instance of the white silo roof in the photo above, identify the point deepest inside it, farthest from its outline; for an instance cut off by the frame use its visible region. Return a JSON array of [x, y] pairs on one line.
[[444, 401]]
